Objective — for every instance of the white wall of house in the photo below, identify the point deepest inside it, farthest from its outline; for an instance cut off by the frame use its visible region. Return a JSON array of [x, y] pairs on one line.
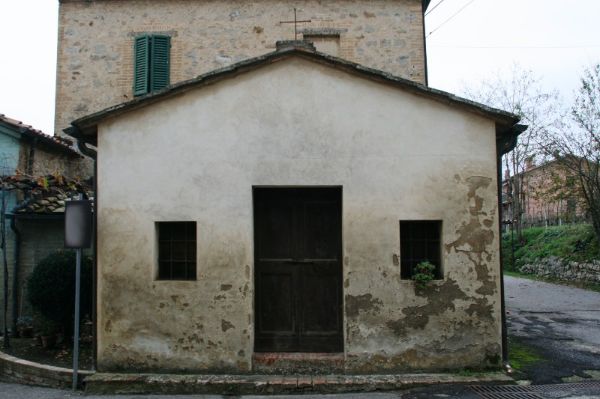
[[196, 156]]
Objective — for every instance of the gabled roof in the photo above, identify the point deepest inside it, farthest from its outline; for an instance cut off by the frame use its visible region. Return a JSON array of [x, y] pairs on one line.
[[85, 128], [58, 144]]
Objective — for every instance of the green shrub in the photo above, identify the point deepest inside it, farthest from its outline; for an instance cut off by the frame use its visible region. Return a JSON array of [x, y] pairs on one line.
[[424, 273], [51, 288]]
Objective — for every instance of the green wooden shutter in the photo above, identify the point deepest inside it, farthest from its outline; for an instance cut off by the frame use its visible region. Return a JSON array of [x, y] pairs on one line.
[[159, 65], [141, 72]]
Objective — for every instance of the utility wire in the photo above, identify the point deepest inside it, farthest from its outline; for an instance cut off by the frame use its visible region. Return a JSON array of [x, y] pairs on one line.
[[453, 15], [514, 47], [436, 6]]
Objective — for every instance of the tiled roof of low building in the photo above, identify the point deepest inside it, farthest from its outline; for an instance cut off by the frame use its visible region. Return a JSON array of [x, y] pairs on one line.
[[46, 194], [58, 143]]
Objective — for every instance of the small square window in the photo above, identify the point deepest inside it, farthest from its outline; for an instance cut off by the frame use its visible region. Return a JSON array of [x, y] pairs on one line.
[[176, 250], [420, 240]]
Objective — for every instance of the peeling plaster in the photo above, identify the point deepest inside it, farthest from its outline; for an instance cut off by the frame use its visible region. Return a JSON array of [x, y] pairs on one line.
[[226, 325], [440, 298], [475, 237], [362, 303]]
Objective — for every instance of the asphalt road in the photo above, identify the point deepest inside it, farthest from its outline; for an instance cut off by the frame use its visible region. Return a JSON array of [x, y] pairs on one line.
[[15, 391], [562, 324]]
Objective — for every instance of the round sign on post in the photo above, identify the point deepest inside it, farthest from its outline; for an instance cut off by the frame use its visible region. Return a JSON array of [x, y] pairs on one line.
[[78, 235]]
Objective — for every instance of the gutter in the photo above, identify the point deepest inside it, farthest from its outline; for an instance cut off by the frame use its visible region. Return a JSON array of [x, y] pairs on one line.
[[89, 152]]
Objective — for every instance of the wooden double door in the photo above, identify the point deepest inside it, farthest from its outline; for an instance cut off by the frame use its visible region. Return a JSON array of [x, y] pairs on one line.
[[298, 270]]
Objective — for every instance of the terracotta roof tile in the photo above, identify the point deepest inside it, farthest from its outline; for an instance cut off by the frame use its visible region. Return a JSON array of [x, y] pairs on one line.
[[59, 143], [46, 194]]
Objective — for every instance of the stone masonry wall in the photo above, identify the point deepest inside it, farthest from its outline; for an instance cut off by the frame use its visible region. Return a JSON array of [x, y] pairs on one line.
[[565, 270], [95, 51], [50, 162]]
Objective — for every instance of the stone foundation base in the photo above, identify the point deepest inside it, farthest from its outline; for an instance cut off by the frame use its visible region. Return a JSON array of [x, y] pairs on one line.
[[106, 383]]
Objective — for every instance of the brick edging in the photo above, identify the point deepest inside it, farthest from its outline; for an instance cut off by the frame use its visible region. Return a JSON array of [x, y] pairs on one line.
[[27, 372]]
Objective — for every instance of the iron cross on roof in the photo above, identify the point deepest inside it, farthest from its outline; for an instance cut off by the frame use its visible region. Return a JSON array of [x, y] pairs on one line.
[[295, 22]]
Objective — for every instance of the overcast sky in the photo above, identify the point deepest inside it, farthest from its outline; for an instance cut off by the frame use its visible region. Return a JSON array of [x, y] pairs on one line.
[[471, 40]]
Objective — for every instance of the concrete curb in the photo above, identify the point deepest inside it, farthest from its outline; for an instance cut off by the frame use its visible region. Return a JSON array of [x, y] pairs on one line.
[[108, 383], [22, 371]]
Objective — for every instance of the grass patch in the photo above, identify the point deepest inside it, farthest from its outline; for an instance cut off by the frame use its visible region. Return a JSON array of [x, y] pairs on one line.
[[521, 356], [473, 373], [570, 242]]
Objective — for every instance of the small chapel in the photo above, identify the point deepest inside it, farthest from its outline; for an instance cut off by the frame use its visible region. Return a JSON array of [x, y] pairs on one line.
[[271, 180]]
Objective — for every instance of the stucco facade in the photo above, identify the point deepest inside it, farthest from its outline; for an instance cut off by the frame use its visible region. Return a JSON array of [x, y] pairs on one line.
[[396, 154], [95, 40]]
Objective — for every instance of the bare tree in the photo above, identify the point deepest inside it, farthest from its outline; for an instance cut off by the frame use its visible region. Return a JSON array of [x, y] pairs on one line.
[[520, 93], [577, 144]]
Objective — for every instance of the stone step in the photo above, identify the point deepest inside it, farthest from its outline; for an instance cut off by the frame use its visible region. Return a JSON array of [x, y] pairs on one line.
[[300, 363], [111, 383]]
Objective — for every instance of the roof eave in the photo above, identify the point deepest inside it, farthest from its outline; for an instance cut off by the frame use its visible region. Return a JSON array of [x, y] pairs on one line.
[[507, 136]]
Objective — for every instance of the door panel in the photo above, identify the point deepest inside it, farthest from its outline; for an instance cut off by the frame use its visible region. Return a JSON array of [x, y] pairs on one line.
[[321, 227], [298, 270], [277, 231], [276, 300], [319, 286]]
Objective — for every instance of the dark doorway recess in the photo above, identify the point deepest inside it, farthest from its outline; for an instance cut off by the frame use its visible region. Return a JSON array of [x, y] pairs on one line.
[[298, 276]]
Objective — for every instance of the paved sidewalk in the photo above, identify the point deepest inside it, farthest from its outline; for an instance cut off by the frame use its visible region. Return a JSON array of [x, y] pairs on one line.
[[559, 391]]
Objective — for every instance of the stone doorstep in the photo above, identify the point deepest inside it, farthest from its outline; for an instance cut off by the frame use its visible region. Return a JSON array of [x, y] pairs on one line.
[[302, 363], [109, 383], [27, 372]]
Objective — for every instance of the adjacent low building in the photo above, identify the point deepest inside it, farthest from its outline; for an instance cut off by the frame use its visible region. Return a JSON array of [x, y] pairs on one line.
[[38, 172]]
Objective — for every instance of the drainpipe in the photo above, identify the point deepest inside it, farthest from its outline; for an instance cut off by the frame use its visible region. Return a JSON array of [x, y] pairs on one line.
[[30, 160], [85, 150], [502, 300], [17, 256]]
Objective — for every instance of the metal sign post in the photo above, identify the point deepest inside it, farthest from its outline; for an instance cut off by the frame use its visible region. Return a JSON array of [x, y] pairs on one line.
[[78, 235], [76, 327]]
